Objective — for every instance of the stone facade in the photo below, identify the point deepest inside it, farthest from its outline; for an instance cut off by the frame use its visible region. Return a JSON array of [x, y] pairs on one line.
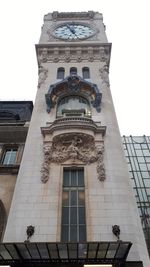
[[95, 145]]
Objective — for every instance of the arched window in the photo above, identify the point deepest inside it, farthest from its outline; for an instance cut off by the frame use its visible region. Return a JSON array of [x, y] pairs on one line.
[[73, 106], [73, 71], [60, 73], [86, 73]]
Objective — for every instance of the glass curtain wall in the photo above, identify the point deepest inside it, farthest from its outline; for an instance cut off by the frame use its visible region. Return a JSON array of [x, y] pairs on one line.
[[137, 152]]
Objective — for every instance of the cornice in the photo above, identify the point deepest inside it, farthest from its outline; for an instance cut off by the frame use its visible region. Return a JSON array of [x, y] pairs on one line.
[[72, 15]]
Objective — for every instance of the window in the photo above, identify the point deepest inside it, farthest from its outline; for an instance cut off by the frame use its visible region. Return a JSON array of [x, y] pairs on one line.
[[86, 73], [73, 206], [60, 73], [73, 71], [73, 106], [9, 156]]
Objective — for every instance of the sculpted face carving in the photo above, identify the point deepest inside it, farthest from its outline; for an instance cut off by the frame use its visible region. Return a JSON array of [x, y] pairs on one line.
[[73, 147]]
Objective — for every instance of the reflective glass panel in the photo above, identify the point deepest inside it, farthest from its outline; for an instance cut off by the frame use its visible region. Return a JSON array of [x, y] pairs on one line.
[[73, 233], [65, 198]]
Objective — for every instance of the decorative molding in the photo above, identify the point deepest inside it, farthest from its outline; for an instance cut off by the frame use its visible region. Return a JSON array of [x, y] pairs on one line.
[[74, 147], [73, 53], [42, 75]]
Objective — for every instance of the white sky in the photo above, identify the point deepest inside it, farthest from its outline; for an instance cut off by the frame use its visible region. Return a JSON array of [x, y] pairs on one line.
[[127, 27]]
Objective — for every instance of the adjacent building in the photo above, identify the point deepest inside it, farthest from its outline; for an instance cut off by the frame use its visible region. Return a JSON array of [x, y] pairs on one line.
[[14, 123], [73, 201], [137, 152]]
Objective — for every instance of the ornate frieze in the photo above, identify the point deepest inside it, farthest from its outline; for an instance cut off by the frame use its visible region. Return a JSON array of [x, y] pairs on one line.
[[74, 147], [73, 53], [42, 75]]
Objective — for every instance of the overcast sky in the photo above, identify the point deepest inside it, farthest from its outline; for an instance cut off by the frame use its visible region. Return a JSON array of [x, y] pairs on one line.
[[127, 27]]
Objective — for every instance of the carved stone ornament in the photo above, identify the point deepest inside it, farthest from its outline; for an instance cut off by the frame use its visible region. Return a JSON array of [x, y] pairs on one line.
[[104, 74], [42, 75], [73, 54], [73, 147], [43, 56]]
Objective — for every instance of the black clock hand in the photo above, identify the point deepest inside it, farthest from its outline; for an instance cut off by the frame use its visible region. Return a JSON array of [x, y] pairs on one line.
[[71, 28]]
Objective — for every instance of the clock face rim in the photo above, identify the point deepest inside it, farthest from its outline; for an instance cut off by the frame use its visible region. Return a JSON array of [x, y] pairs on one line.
[[78, 38]]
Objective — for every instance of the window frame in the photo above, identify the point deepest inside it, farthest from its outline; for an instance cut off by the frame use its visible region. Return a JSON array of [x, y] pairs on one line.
[[9, 161]]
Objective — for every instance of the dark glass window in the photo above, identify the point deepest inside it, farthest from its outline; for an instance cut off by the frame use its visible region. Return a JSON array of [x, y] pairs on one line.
[[73, 106], [86, 73], [73, 71], [73, 206], [60, 73], [9, 156]]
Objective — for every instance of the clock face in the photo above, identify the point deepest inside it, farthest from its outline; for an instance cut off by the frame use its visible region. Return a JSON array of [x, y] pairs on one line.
[[73, 32]]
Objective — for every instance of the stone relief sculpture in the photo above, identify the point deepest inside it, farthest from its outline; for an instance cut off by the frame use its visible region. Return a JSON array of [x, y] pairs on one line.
[[73, 147], [47, 150], [103, 54], [104, 74], [42, 75], [43, 56]]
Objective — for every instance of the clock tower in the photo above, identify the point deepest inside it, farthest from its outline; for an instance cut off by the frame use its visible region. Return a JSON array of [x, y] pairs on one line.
[[73, 190]]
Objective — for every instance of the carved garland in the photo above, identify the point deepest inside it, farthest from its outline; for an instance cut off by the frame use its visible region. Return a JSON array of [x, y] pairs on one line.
[[74, 148], [42, 75], [104, 74]]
